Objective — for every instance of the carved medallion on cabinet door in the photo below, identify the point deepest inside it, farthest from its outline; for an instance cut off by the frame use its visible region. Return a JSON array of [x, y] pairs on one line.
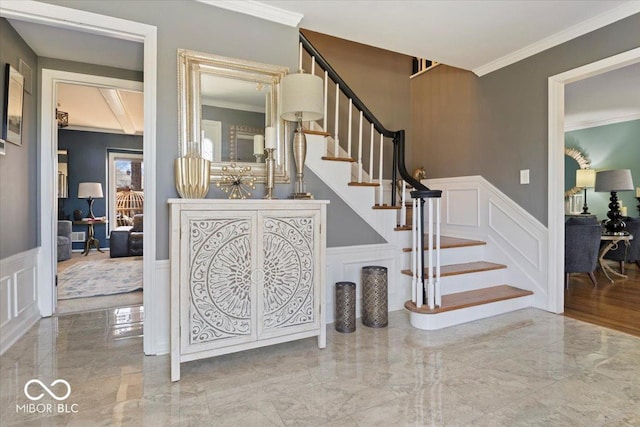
[[288, 287], [220, 279]]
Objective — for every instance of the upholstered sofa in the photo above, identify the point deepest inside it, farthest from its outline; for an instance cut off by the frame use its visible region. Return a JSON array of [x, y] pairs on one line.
[[127, 240], [64, 240]]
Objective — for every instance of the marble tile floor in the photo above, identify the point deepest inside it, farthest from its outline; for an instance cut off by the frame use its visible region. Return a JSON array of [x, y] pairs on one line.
[[527, 368]]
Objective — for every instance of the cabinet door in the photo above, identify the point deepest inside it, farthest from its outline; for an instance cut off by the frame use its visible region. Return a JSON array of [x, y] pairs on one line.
[[288, 247], [218, 307]]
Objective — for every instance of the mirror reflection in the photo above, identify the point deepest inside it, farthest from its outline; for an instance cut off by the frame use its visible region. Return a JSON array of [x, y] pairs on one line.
[[225, 105]]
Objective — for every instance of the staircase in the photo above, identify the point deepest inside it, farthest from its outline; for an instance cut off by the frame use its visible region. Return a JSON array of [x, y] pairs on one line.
[[465, 282]]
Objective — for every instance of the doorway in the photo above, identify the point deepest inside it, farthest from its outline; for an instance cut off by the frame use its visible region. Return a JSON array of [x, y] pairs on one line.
[[77, 20], [556, 166]]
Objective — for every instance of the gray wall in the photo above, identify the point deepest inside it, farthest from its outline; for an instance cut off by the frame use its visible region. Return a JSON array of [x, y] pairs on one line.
[[496, 125], [18, 177], [199, 27]]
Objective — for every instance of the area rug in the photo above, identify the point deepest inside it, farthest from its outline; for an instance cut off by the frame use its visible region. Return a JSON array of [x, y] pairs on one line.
[[100, 277]]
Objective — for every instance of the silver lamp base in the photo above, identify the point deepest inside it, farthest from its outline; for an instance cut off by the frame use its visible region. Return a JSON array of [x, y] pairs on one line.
[[299, 156]]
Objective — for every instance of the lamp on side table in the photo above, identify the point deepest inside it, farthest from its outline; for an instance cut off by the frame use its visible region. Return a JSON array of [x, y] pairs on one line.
[[614, 181]]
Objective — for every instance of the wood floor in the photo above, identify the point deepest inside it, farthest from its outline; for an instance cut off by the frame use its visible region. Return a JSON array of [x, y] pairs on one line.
[[614, 305]]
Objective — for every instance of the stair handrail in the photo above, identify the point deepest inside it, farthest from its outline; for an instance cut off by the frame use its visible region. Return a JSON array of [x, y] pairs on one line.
[[429, 294], [397, 136]]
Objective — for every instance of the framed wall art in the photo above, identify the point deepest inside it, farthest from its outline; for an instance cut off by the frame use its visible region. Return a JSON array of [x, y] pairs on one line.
[[13, 100]]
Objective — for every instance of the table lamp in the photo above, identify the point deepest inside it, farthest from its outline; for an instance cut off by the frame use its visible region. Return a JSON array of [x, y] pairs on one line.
[[614, 181], [90, 191], [585, 178], [302, 100]]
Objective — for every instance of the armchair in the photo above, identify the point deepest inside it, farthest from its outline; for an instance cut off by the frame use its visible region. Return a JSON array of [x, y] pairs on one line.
[[127, 240], [64, 240], [629, 253], [581, 247]]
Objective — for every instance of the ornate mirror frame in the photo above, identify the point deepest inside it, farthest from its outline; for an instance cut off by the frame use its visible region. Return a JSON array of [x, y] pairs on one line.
[[583, 163], [191, 66]]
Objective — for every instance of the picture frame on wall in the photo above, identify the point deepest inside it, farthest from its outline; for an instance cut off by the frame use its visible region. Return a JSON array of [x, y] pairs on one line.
[[13, 102]]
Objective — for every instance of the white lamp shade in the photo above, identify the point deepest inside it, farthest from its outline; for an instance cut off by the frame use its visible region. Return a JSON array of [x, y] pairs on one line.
[[614, 180], [90, 189], [585, 178], [302, 93]]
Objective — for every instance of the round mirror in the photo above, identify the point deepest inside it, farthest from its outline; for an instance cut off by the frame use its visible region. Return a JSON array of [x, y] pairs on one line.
[[574, 159]]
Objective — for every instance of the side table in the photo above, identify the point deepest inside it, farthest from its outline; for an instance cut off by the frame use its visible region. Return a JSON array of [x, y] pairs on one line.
[[612, 243], [91, 238]]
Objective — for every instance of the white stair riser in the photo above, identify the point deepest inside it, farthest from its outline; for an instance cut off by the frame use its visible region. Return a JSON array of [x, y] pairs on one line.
[[430, 322], [466, 282], [451, 256]]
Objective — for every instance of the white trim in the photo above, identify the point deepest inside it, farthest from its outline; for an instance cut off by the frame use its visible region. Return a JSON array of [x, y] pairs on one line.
[[556, 165], [592, 24], [258, 10], [586, 124], [68, 18]]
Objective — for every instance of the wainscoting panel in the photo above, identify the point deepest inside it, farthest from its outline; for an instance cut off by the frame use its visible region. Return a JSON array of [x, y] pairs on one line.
[[344, 264], [462, 206], [18, 295], [512, 231], [5, 300], [477, 209], [162, 308]]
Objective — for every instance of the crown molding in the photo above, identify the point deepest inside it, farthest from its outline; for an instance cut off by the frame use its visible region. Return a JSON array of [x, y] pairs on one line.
[[584, 27], [586, 124], [258, 10]]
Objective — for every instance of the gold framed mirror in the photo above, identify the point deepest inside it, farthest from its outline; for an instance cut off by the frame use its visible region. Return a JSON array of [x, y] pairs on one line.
[[219, 94]]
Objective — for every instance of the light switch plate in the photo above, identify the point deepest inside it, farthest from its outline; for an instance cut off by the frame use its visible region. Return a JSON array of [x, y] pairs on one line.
[[524, 176]]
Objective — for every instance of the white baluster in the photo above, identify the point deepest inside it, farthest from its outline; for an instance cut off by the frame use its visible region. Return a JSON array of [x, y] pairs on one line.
[[360, 150], [380, 192], [371, 155], [414, 254], [419, 250], [430, 287], [300, 57], [313, 64], [403, 207], [336, 143], [326, 98], [349, 138], [438, 289]]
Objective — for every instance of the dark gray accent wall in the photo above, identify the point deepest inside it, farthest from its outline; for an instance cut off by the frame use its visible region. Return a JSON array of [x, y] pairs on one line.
[[18, 171], [87, 153], [497, 124], [200, 27]]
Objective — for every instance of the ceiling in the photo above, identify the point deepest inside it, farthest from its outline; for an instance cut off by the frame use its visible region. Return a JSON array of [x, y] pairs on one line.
[[480, 36], [475, 35]]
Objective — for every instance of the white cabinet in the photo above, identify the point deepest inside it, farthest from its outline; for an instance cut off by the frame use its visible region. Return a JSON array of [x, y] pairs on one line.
[[245, 274]]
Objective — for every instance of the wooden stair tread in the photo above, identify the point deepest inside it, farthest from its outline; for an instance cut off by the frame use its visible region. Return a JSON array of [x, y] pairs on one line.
[[315, 132], [447, 242], [338, 159], [464, 268], [470, 299], [404, 228], [386, 207], [363, 184]]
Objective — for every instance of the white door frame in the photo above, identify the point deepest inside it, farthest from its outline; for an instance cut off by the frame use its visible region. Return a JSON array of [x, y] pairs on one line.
[[555, 202], [73, 19]]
